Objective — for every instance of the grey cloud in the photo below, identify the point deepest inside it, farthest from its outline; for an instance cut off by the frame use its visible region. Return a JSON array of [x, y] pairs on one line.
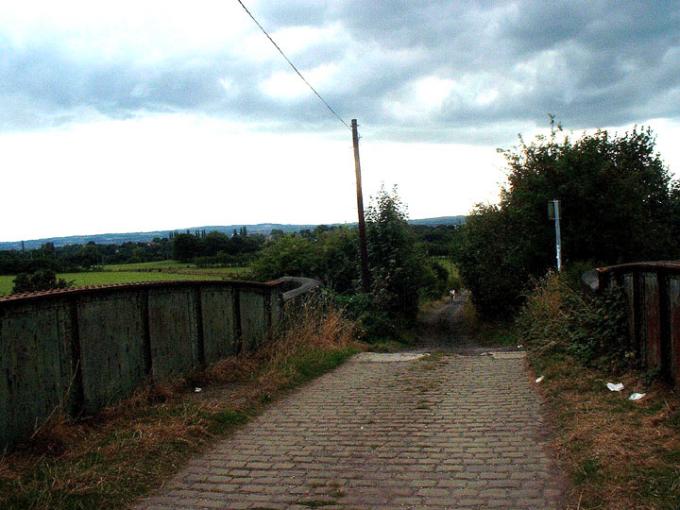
[[595, 63]]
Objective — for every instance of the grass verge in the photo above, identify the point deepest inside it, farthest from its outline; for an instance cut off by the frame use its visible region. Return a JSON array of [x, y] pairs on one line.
[[618, 453], [124, 452]]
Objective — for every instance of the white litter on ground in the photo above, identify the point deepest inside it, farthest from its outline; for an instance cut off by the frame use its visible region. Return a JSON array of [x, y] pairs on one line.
[[615, 387], [540, 379], [636, 396], [198, 390]]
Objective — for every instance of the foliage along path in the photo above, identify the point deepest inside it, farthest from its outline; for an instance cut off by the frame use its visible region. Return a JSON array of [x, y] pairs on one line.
[[455, 429]]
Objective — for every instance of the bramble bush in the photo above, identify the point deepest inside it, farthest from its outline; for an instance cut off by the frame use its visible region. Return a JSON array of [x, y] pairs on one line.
[[558, 316]]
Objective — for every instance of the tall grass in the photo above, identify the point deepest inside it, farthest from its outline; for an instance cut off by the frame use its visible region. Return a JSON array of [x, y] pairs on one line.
[[314, 338]]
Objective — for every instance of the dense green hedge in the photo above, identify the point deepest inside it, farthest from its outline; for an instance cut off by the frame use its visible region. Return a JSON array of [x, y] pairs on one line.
[[618, 204]]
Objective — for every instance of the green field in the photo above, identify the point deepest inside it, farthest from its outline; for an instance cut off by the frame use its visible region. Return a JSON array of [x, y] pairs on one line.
[[103, 278], [147, 266], [6, 285], [166, 270], [174, 267], [448, 264]]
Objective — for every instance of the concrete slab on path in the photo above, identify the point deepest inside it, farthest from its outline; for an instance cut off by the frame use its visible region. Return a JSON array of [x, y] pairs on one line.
[[389, 357], [435, 432]]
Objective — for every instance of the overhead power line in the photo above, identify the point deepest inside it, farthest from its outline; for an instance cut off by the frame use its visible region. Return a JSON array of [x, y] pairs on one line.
[[293, 66]]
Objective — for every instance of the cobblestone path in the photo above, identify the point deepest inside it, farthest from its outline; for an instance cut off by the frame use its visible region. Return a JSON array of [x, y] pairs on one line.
[[443, 431]]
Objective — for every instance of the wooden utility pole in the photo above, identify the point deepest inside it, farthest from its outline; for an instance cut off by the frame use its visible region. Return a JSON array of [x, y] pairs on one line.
[[363, 248]]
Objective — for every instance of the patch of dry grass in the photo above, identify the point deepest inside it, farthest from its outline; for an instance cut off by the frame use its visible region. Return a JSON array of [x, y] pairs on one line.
[[109, 460], [619, 454]]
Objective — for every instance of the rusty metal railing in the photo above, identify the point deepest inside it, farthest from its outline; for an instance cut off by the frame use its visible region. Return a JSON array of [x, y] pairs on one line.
[[652, 292]]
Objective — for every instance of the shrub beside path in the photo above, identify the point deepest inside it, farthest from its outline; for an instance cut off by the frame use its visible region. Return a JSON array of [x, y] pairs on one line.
[[444, 431]]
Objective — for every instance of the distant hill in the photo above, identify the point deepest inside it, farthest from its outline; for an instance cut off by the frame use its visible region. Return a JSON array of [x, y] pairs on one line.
[[439, 220], [143, 237]]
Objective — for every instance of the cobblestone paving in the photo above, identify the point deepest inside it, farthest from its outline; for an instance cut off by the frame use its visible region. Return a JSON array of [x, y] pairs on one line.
[[442, 432]]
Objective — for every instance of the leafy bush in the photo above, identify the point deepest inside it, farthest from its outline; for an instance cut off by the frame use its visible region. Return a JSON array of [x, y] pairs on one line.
[[329, 255], [339, 265], [489, 262], [437, 280], [289, 255], [372, 323], [592, 327], [398, 267], [40, 280]]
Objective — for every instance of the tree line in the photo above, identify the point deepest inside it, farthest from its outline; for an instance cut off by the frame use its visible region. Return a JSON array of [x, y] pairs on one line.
[[217, 248], [400, 257], [199, 247], [82, 257]]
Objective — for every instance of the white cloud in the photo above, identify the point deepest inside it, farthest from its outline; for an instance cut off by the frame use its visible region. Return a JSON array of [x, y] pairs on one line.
[[296, 39], [86, 87], [287, 85], [175, 171], [146, 32]]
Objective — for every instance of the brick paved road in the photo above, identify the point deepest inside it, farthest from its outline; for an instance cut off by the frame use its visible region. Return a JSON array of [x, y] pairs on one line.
[[447, 431]]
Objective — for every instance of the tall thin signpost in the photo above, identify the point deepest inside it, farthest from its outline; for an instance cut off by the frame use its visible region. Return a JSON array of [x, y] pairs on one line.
[[363, 249], [554, 214]]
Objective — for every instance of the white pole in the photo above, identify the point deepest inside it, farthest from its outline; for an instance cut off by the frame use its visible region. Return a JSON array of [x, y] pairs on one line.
[[558, 237]]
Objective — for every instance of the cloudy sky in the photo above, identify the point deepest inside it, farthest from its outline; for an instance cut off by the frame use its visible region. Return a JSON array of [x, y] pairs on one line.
[[143, 115]]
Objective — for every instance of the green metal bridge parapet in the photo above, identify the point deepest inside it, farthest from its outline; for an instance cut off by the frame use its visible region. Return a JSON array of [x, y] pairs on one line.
[[82, 349]]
